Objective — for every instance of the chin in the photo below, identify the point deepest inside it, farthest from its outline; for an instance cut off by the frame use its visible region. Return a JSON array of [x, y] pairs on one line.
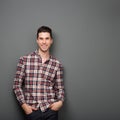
[[44, 50]]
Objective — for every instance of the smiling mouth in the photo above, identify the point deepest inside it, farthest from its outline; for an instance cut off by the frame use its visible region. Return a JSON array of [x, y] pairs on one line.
[[44, 46]]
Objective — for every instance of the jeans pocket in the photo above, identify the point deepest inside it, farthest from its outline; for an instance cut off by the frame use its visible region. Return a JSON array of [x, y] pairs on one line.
[[30, 116], [53, 110]]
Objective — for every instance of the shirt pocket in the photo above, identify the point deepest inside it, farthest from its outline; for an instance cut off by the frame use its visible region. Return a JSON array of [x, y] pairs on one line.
[[49, 76]]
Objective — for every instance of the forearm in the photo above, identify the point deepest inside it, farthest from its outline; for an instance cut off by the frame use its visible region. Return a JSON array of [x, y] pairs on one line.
[[59, 85], [18, 92]]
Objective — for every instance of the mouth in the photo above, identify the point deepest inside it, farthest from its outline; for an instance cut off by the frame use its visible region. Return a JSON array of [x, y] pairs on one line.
[[44, 46]]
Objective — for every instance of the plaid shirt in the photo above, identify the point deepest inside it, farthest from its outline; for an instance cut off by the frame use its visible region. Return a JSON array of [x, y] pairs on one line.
[[38, 84]]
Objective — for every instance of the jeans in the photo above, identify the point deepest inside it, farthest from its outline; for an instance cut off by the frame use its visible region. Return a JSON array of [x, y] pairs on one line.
[[39, 115]]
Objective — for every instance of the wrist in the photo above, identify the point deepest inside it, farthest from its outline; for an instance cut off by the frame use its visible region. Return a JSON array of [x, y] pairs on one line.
[[60, 102], [27, 109], [24, 105]]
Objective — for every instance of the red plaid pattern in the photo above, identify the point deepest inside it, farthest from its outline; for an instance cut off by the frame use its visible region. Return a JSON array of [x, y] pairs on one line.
[[38, 84]]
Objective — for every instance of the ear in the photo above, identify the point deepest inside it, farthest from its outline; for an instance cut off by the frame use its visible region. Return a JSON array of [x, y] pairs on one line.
[[36, 40], [51, 41]]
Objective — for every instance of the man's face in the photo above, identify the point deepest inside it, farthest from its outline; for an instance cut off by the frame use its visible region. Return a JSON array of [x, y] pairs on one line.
[[44, 41]]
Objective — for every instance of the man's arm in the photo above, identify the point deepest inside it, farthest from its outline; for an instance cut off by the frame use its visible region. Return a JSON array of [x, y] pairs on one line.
[[59, 89], [18, 81], [17, 86]]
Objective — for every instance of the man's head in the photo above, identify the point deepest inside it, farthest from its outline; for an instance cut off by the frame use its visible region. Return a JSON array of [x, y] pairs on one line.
[[45, 29], [44, 38]]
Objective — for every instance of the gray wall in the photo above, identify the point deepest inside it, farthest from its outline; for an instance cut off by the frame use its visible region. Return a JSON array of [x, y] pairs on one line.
[[87, 40]]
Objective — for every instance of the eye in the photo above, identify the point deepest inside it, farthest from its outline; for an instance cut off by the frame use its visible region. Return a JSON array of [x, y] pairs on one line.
[[47, 38], [40, 38]]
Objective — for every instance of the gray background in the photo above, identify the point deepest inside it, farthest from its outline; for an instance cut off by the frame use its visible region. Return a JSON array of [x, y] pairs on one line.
[[86, 41]]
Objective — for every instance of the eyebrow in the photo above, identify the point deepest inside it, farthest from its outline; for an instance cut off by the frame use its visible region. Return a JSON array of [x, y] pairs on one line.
[[43, 38]]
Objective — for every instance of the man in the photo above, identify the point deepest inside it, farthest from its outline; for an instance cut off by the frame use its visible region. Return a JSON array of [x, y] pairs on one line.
[[38, 83]]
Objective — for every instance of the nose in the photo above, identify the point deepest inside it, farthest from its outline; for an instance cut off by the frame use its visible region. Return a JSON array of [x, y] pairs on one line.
[[44, 41]]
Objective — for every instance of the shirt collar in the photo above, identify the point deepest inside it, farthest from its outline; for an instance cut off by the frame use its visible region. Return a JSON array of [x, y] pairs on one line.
[[36, 52]]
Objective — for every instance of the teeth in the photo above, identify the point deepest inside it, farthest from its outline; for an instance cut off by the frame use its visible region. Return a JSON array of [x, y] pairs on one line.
[[44, 46]]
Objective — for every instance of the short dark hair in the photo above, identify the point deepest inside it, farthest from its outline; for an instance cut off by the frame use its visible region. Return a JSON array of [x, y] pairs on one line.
[[44, 29]]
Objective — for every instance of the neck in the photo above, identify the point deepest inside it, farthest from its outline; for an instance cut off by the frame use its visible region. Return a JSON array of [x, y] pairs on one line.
[[44, 55]]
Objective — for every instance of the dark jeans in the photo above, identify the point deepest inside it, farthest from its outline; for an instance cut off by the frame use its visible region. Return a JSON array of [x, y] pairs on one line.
[[39, 115]]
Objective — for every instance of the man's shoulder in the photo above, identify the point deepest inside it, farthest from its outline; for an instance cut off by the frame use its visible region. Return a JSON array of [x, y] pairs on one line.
[[56, 61], [27, 56]]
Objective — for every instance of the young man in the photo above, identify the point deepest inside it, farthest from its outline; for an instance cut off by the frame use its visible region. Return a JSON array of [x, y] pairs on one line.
[[38, 83]]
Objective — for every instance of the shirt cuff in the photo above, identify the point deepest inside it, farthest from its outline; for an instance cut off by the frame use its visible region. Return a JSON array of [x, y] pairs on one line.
[[22, 102]]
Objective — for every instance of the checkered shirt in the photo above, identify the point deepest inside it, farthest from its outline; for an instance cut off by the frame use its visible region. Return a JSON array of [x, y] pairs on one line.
[[38, 84]]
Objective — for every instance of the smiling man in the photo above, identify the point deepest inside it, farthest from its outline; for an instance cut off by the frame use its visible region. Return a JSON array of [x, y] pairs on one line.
[[38, 83]]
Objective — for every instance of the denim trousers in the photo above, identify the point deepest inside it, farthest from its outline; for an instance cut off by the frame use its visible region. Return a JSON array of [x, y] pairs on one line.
[[39, 115]]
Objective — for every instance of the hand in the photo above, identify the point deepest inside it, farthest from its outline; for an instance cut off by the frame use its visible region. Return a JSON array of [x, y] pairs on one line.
[[56, 105], [27, 108]]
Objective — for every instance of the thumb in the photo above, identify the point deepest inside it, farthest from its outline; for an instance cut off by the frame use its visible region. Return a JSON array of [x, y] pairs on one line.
[[51, 105]]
